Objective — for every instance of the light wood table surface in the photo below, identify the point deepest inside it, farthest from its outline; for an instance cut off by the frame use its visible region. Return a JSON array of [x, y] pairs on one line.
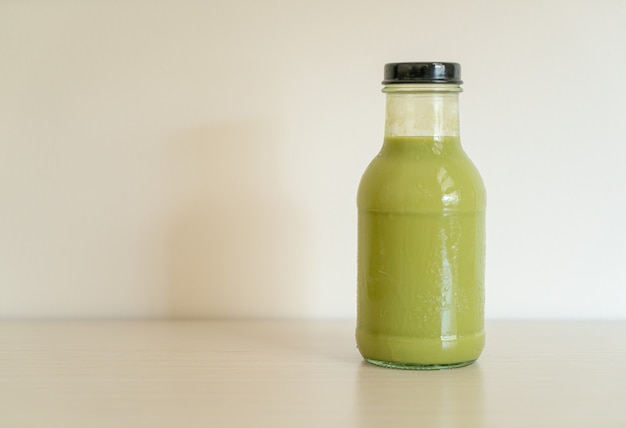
[[136, 374]]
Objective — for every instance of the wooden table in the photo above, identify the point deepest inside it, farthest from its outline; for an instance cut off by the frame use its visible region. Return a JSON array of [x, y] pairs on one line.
[[301, 374]]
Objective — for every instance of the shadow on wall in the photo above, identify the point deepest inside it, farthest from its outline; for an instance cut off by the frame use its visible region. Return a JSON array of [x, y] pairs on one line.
[[238, 245]]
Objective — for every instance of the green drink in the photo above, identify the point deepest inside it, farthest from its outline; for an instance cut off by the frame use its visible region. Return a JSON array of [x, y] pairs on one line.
[[421, 238]]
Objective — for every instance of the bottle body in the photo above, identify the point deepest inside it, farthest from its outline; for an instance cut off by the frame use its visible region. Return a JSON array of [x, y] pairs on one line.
[[421, 243]]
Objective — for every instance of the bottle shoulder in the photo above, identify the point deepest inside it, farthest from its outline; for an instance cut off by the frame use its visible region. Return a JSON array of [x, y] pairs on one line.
[[421, 179]]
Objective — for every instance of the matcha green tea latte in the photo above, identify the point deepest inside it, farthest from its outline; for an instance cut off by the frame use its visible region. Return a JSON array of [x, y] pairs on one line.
[[421, 230]]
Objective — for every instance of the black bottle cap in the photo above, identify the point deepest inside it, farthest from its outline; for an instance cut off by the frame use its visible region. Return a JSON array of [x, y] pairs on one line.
[[422, 72]]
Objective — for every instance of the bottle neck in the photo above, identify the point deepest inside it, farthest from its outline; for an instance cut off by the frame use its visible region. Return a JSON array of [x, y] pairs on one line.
[[422, 110]]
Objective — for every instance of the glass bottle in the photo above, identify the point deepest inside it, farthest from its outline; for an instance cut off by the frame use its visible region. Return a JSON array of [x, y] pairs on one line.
[[421, 230]]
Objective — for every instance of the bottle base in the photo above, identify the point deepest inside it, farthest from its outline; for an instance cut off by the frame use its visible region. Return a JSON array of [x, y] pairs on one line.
[[419, 353], [403, 366]]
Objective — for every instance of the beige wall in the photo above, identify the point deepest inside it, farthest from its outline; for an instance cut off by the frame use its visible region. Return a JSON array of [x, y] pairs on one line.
[[201, 159]]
